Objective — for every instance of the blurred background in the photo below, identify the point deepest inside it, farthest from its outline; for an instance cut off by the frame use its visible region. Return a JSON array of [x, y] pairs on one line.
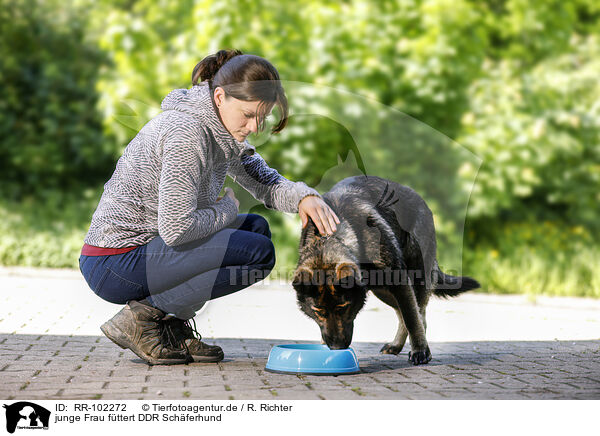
[[489, 108]]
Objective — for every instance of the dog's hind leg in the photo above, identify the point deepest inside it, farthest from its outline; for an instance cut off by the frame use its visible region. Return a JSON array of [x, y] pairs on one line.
[[397, 344], [422, 300], [422, 312], [419, 282]]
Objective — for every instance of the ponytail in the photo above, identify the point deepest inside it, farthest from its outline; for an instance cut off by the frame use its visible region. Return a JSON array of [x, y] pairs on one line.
[[207, 68]]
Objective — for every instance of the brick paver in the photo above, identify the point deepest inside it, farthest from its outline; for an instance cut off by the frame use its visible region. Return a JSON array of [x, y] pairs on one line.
[[92, 367], [484, 347]]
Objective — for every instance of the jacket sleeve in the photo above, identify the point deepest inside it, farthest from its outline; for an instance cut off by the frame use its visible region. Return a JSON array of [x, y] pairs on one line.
[[267, 185], [179, 218]]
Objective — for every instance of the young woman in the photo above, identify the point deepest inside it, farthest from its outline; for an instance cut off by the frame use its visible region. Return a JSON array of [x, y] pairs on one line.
[[162, 241]]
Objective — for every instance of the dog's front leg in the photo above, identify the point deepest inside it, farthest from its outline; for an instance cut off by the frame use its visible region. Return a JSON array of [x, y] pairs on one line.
[[399, 340], [394, 347], [409, 308]]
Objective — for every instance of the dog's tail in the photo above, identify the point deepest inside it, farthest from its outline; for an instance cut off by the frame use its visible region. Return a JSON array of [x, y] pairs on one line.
[[451, 286]]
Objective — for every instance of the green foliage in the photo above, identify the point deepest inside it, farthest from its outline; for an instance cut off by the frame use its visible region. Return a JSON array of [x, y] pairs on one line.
[[47, 232], [513, 81], [50, 129], [418, 57], [537, 258], [538, 132], [531, 31]]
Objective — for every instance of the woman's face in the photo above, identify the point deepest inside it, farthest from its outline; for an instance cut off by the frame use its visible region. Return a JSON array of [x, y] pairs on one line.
[[238, 116]]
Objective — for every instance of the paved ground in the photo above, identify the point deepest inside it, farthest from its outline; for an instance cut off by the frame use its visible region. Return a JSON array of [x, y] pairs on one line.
[[484, 347]]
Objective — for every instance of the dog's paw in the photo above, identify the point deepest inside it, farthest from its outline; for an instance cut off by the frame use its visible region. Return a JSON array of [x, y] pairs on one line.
[[390, 349], [419, 357]]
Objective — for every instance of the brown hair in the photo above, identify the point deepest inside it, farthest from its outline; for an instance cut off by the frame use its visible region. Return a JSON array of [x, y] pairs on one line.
[[245, 77]]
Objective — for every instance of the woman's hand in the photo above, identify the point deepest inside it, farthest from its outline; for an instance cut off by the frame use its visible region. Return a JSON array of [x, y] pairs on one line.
[[323, 216], [229, 193]]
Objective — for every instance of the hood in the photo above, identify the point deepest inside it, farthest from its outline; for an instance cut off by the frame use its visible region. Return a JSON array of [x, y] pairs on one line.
[[197, 102]]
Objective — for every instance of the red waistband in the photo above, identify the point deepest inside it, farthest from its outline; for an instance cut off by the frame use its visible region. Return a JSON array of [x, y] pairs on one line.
[[90, 250]]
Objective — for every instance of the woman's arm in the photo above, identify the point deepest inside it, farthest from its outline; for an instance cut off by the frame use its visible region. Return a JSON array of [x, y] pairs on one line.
[[276, 192], [267, 185], [179, 219]]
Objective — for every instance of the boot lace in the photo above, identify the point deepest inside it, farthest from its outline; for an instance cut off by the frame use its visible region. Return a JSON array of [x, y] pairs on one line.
[[190, 331], [169, 336]]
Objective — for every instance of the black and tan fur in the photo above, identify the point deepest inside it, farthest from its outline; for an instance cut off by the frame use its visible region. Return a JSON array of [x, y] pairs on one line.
[[385, 243]]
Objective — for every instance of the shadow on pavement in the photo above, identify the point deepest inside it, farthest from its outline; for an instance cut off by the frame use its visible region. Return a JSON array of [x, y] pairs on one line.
[[76, 367]]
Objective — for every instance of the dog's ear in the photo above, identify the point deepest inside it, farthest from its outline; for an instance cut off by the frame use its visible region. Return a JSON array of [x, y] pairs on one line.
[[302, 276], [303, 282], [347, 274]]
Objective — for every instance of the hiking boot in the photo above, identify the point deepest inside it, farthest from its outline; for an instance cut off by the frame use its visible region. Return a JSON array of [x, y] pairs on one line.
[[141, 329], [199, 351]]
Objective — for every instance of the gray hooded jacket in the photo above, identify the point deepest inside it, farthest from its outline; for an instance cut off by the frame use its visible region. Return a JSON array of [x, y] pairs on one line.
[[168, 179]]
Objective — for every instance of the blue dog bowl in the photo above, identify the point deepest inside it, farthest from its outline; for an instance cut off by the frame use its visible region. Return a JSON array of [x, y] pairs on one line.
[[314, 359]]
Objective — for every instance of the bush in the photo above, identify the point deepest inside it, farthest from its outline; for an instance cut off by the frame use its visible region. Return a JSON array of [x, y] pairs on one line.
[[51, 130], [515, 82], [538, 133], [537, 259]]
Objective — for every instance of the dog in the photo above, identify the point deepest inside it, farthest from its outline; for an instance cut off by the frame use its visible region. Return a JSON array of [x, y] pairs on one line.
[[385, 243]]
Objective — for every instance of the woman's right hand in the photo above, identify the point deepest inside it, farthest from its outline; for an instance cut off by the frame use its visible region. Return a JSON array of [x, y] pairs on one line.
[[229, 193]]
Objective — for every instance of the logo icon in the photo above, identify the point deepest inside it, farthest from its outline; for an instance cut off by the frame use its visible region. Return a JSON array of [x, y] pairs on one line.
[[26, 415]]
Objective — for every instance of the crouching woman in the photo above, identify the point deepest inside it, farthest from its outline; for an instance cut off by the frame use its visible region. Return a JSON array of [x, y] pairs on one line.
[[162, 241]]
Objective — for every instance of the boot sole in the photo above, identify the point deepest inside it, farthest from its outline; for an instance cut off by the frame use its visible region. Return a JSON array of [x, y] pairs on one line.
[[122, 340], [208, 359]]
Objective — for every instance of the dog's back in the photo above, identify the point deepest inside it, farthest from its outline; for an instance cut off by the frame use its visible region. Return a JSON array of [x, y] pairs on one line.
[[391, 223]]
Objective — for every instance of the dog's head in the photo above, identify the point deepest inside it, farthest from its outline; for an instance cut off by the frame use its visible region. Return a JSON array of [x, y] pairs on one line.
[[332, 295]]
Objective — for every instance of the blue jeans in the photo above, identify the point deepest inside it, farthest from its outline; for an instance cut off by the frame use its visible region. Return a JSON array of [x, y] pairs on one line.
[[181, 279]]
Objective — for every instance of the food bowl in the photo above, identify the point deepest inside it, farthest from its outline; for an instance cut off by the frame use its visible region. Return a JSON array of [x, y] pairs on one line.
[[314, 359]]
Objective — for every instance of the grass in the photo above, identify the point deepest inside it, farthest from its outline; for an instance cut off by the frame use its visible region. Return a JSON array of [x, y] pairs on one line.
[[533, 273], [542, 259], [45, 232]]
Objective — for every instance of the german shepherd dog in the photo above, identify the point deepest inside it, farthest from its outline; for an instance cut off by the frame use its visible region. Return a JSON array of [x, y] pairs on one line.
[[385, 243]]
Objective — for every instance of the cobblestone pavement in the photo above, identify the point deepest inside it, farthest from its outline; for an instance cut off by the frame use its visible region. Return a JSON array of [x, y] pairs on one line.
[[87, 367], [484, 347]]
